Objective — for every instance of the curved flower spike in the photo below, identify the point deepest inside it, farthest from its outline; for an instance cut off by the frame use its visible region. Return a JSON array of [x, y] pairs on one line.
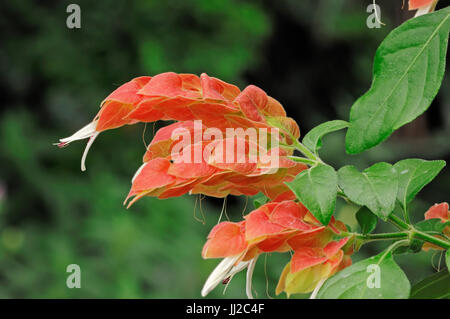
[[276, 227], [186, 97]]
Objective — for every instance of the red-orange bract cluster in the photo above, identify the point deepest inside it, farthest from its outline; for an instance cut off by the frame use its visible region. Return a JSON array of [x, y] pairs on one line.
[[281, 227], [441, 212], [209, 107], [186, 98]]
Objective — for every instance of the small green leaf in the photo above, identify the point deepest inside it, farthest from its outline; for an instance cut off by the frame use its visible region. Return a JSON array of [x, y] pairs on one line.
[[378, 277], [313, 140], [366, 220], [259, 200], [413, 175], [316, 188], [376, 187], [431, 225], [414, 247], [407, 72], [434, 287]]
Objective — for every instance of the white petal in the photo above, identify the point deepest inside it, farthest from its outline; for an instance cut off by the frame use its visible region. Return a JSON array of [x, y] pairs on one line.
[[248, 284], [239, 267], [425, 9], [223, 270], [316, 290], [85, 132], [86, 150]]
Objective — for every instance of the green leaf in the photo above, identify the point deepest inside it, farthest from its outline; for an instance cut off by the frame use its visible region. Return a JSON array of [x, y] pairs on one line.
[[313, 140], [434, 287], [366, 220], [355, 282], [376, 187], [413, 175], [414, 247], [259, 200], [447, 259], [407, 72], [431, 225], [316, 188]]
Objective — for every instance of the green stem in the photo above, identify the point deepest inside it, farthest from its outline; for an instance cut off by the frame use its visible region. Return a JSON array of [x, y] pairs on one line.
[[431, 239], [383, 236], [398, 222], [308, 161], [406, 216], [305, 151], [410, 234], [439, 234]]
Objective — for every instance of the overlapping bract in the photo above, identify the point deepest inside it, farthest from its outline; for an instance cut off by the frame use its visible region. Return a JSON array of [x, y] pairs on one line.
[[438, 211], [163, 177], [187, 98], [422, 6], [281, 227], [417, 4]]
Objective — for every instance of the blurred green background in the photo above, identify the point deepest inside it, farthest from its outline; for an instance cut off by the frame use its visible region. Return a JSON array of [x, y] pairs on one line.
[[313, 56]]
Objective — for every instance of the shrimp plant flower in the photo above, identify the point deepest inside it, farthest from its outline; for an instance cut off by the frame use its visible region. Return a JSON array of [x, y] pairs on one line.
[[198, 105], [221, 141]]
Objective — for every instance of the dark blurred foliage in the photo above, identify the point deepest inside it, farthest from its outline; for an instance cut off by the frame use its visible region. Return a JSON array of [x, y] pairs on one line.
[[313, 56]]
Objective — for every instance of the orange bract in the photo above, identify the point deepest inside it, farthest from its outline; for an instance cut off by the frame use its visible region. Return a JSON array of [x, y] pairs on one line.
[[218, 106], [184, 97], [226, 239], [416, 4], [211, 180], [438, 211]]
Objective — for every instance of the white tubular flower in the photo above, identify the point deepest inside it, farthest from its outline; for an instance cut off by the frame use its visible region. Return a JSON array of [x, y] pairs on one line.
[[86, 132], [248, 285], [225, 269]]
